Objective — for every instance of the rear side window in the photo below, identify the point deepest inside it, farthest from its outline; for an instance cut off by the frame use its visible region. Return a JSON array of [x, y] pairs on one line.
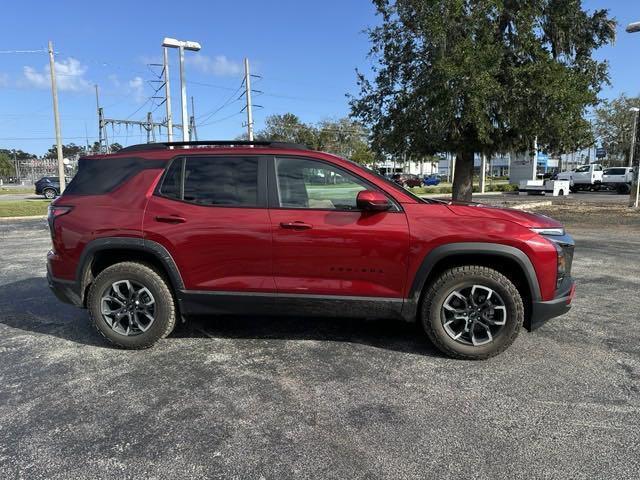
[[99, 176], [221, 181]]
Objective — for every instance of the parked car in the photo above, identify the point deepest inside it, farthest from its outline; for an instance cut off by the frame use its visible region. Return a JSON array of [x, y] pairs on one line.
[[586, 177], [49, 187], [618, 179], [407, 180], [431, 180], [154, 234]]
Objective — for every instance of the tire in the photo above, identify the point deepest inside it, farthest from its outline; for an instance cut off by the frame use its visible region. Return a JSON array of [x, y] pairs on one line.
[[49, 193], [140, 331], [561, 193], [623, 189], [434, 315]]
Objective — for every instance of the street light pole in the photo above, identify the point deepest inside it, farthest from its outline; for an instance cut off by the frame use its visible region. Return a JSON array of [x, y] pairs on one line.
[[635, 111], [634, 197], [167, 90], [183, 97], [182, 45]]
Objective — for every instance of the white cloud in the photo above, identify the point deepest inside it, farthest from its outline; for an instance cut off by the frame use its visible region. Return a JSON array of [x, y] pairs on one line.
[[4, 80], [136, 88], [69, 75], [115, 81], [220, 65]]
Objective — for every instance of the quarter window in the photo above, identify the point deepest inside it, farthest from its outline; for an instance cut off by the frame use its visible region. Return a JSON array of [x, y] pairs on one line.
[[224, 181], [306, 183]]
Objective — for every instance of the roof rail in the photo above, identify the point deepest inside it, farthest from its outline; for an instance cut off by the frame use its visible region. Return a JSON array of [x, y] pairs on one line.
[[212, 143]]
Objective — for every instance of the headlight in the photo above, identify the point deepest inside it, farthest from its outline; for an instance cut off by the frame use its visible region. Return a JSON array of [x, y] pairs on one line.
[[554, 232]]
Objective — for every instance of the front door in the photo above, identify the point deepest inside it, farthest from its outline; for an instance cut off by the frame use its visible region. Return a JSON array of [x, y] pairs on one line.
[[322, 244]]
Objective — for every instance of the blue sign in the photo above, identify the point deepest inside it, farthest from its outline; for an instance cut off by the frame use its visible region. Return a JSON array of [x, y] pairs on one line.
[[601, 152]]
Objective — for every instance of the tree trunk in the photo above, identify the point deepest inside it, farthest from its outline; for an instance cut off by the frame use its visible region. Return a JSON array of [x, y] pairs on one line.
[[463, 180]]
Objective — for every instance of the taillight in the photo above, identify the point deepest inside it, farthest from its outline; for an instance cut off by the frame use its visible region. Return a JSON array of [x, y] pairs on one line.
[[54, 212]]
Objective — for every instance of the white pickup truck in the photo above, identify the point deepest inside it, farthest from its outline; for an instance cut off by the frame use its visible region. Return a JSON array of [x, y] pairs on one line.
[[586, 177], [618, 179]]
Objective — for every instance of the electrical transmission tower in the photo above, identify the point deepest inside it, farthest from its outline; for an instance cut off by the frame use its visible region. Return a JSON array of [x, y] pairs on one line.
[[149, 125]]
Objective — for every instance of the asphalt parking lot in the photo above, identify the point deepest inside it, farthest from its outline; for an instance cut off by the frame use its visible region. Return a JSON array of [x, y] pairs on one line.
[[298, 398]]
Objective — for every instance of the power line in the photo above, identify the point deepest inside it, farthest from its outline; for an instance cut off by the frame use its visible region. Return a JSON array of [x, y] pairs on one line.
[[222, 119]]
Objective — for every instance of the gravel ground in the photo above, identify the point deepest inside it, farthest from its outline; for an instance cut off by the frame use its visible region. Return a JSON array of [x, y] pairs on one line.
[[296, 398]]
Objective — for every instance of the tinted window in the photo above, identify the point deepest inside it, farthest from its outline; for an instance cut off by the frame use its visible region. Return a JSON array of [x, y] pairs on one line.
[[213, 181], [614, 171], [583, 169], [97, 176], [310, 184], [172, 179]]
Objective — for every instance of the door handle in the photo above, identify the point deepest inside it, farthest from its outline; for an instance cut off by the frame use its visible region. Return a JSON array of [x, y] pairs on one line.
[[296, 225], [170, 219]]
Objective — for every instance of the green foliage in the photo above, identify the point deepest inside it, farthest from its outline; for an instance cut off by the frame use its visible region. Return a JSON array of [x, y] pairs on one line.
[[343, 137], [482, 76], [69, 150], [7, 167], [613, 126], [446, 189]]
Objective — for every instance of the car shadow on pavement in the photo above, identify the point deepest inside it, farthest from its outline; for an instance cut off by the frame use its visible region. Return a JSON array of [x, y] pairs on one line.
[[386, 334], [29, 305]]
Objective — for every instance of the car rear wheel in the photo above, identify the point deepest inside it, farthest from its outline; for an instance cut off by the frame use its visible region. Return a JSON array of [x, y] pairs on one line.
[[49, 193], [131, 305], [472, 312]]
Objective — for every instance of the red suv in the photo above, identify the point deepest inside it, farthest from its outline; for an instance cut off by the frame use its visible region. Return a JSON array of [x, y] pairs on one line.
[[158, 232]]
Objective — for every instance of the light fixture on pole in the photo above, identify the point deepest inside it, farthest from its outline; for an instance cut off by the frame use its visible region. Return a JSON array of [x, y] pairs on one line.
[[634, 197], [182, 45]]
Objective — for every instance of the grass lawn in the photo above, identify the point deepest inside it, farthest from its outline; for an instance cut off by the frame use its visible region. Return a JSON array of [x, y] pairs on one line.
[[15, 190], [23, 208]]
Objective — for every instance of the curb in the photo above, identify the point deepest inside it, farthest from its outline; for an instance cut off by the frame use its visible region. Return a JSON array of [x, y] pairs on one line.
[[31, 217], [525, 206]]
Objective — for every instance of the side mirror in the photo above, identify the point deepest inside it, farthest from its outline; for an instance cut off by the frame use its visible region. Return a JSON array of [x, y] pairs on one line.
[[372, 201]]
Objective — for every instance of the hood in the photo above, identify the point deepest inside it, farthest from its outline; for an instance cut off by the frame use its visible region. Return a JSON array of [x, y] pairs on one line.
[[521, 217]]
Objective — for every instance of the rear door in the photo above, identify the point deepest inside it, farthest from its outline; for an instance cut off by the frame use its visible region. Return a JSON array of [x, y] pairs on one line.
[[210, 213], [322, 243]]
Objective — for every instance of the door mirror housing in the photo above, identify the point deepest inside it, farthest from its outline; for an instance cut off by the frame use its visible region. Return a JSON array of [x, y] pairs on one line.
[[372, 201]]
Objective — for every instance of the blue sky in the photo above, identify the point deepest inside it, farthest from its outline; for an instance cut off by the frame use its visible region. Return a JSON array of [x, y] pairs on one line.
[[305, 52]]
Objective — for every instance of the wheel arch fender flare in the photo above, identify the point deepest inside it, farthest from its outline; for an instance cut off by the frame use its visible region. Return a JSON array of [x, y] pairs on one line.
[[481, 249], [149, 247]]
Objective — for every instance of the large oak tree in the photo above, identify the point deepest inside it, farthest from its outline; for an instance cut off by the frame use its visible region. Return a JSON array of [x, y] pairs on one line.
[[481, 76]]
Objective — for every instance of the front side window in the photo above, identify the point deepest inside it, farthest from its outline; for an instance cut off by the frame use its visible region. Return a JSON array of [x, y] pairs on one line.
[[583, 169], [304, 183], [222, 181]]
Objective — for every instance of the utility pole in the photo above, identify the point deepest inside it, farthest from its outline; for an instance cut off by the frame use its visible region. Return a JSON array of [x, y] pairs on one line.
[[149, 127], [100, 124], [56, 117], [247, 85], [192, 122], [167, 91]]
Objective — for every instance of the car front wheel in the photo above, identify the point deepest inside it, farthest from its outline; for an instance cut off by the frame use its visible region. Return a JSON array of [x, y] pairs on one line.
[[472, 312], [131, 305], [49, 193]]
